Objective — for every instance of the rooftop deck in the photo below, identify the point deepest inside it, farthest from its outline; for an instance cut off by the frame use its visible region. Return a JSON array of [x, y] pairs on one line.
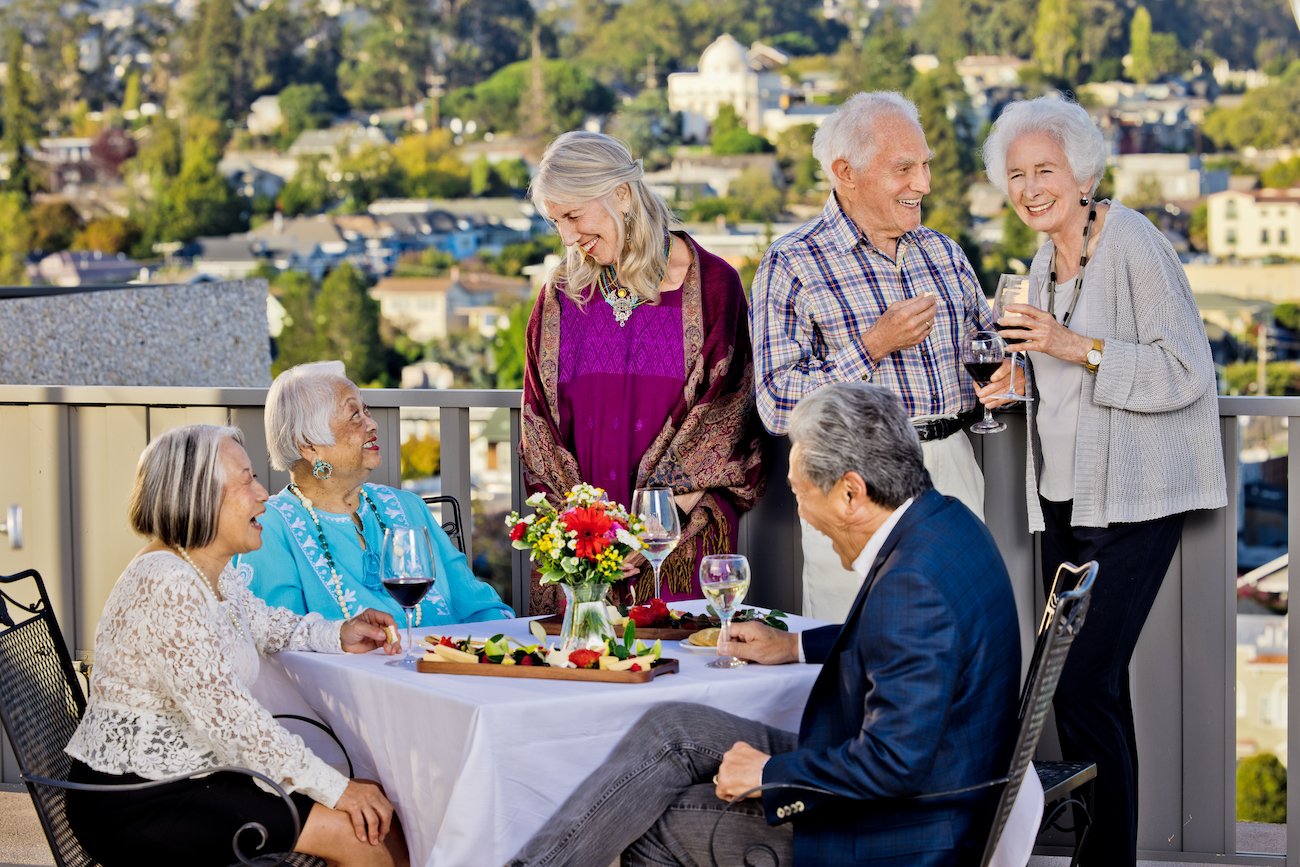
[[67, 456]]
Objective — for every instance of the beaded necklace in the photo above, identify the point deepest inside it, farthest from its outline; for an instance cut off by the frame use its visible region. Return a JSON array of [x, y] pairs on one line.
[[336, 580], [1078, 280], [622, 299], [207, 586]]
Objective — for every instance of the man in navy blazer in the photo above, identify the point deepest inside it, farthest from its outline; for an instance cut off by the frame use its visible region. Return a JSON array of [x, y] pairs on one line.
[[917, 693]]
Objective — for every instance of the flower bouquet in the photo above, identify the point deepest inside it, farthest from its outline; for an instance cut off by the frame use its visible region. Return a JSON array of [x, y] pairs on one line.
[[579, 545]]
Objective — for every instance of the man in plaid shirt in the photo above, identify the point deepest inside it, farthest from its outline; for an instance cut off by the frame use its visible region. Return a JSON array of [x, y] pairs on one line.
[[865, 292]]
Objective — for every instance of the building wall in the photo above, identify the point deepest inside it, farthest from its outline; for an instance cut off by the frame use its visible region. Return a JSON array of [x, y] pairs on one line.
[[1241, 226]]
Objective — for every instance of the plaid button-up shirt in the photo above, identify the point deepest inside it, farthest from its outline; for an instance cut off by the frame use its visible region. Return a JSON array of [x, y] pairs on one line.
[[821, 286]]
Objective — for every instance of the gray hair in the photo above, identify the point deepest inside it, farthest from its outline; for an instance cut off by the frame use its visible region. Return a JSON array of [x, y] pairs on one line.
[[179, 483], [580, 167], [299, 407], [1064, 122], [849, 133], [861, 428]]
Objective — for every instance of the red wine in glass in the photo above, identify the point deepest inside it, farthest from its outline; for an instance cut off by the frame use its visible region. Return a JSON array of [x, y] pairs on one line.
[[407, 569], [408, 591], [982, 371]]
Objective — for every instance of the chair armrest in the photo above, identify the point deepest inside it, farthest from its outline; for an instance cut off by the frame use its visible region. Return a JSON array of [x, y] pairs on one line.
[[275, 787], [329, 731]]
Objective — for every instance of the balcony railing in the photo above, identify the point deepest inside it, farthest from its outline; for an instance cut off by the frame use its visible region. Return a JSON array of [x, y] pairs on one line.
[[68, 455]]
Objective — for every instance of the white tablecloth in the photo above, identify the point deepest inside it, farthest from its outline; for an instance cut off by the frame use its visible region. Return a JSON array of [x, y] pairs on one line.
[[475, 765]]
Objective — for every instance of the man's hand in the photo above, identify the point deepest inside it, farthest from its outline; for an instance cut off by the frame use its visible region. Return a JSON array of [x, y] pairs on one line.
[[366, 631], [758, 642], [741, 770], [903, 324], [990, 395]]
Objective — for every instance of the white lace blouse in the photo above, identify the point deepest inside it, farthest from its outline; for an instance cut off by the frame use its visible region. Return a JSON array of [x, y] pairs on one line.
[[173, 668]]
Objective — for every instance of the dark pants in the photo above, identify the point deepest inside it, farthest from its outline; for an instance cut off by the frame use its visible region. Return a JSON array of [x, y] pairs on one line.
[[1094, 712]]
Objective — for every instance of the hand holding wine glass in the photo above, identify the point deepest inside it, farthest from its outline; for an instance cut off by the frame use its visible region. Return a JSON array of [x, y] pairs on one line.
[[724, 578], [1012, 289], [408, 571], [663, 529], [982, 354]]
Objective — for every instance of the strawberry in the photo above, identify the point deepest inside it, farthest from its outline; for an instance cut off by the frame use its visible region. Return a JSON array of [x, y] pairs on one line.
[[584, 658], [636, 666], [527, 660], [642, 616]]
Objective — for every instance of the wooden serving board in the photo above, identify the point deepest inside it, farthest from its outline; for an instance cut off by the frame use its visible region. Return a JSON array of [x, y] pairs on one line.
[[645, 633], [546, 672]]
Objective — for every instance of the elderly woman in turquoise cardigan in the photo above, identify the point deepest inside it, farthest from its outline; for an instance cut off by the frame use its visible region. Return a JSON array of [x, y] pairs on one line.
[[323, 533], [1123, 433]]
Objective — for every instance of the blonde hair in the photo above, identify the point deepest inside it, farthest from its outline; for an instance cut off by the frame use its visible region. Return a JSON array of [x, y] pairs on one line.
[[179, 484], [299, 408], [580, 167]]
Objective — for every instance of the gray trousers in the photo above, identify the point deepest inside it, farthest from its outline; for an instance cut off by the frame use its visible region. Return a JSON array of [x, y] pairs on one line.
[[653, 801]]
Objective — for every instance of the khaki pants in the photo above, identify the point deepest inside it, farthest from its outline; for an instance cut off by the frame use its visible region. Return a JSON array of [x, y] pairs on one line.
[[828, 588]]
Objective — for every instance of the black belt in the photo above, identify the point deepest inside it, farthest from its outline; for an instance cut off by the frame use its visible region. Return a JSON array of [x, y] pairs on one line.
[[942, 428]]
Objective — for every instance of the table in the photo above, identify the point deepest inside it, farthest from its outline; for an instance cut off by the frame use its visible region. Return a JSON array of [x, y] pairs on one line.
[[476, 765]]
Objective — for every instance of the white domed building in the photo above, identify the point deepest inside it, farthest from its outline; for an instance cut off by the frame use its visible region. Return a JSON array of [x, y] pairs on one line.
[[747, 80]]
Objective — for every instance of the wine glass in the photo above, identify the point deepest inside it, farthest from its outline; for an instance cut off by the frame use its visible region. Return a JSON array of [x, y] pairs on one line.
[[982, 353], [724, 578], [663, 530], [407, 570], [1012, 289]]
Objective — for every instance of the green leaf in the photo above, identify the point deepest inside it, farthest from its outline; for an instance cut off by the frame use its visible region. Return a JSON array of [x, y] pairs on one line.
[[629, 634]]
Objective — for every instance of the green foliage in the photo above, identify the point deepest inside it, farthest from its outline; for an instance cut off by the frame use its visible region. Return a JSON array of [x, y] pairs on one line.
[[1266, 118], [1139, 37], [109, 235], [1282, 175], [468, 355], [307, 192], [1019, 243], [1198, 227], [731, 137], [15, 240], [216, 85], [421, 457], [513, 258], [368, 174], [883, 61], [1287, 315], [1261, 789], [508, 348], [951, 161], [1280, 378], [569, 96], [426, 263], [385, 62], [55, 224], [482, 180], [756, 196], [648, 127], [272, 41], [198, 201], [346, 323], [794, 150], [19, 118], [513, 174], [431, 167], [303, 107], [1058, 39], [485, 35]]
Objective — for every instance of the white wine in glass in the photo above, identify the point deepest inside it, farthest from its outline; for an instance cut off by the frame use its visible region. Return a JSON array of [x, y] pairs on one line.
[[663, 529], [724, 578], [1012, 289]]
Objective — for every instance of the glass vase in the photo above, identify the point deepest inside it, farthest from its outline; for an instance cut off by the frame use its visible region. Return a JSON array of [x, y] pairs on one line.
[[586, 623]]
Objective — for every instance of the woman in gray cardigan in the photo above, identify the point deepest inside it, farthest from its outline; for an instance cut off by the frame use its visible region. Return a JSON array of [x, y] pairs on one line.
[[1123, 434]]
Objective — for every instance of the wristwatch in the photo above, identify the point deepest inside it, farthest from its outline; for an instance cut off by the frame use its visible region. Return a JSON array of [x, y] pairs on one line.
[[1094, 356]]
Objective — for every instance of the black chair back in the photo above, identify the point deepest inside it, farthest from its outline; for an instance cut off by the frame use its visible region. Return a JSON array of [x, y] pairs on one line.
[[451, 526], [41, 704], [1063, 617]]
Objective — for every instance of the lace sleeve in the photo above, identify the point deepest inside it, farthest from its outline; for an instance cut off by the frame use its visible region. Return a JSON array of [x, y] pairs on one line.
[[188, 660], [275, 628]]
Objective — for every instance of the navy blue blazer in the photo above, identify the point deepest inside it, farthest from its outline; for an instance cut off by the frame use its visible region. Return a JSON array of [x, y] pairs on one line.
[[918, 693]]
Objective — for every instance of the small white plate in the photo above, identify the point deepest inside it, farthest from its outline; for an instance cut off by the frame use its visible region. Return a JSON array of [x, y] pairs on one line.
[[687, 647]]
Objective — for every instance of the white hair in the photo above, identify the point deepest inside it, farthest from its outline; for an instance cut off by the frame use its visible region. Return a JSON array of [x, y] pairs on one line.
[[859, 427], [850, 133], [299, 407], [1064, 122]]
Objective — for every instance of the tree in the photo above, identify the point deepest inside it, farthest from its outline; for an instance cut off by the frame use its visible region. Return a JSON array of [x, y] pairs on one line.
[[303, 107], [1261, 789], [15, 240], [308, 191], [882, 62], [648, 126], [1019, 243], [508, 347], [484, 36], [109, 235], [794, 150], [946, 209], [1265, 118], [18, 117], [386, 61], [1282, 175], [421, 457], [756, 196], [570, 96], [198, 201], [431, 166], [272, 37], [1058, 39], [54, 224], [482, 180], [216, 85], [110, 149], [1139, 37], [370, 173], [731, 137], [347, 325]]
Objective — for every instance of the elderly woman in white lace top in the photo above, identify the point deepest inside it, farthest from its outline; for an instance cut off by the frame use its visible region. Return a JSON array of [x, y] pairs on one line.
[[177, 649]]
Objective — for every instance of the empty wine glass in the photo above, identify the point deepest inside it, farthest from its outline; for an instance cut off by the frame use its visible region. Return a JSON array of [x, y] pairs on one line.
[[1012, 289], [663, 530], [982, 353], [724, 578], [408, 571]]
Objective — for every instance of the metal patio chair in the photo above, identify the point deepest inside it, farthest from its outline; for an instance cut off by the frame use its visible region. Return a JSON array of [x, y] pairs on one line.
[[451, 526], [41, 704], [1062, 619]]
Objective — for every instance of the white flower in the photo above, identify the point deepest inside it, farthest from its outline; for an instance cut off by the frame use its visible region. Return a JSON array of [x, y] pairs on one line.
[[535, 500], [628, 539]]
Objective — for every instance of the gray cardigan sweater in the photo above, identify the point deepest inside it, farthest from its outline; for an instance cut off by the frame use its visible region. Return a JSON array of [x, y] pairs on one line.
[[1148, 440]]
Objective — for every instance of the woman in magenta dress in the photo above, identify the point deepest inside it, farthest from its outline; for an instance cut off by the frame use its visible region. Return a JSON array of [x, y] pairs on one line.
[[639, 370]]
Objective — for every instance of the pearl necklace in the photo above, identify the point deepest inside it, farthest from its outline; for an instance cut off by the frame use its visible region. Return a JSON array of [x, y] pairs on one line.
[[336, 580], [207, 586]]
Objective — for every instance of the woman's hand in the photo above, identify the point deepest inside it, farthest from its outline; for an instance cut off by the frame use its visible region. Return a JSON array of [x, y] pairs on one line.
[[632, 564], [1042, 333], [367, 631], [369, 809]]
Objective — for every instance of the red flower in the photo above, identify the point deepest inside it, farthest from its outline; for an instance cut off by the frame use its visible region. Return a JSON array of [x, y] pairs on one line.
[[584, 658], [518, 532], [591, 524]]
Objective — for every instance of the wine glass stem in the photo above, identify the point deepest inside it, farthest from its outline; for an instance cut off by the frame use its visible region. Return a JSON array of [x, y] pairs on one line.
[[988, 415], [655, 566], [725, 635], [410, 648]]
